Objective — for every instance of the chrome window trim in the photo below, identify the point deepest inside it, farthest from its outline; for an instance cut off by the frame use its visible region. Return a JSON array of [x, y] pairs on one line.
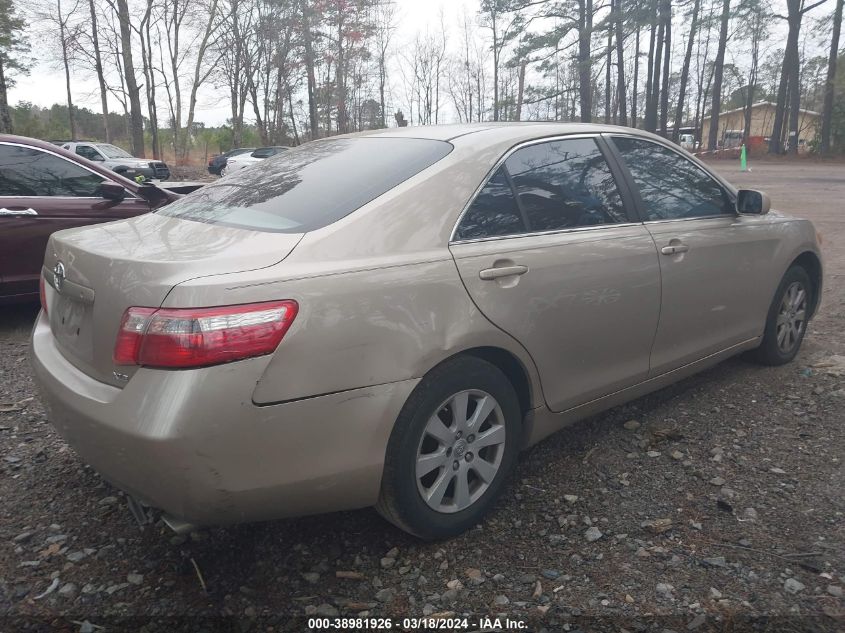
[[67, 160], [577, 229], [501, 161], [719, 216]]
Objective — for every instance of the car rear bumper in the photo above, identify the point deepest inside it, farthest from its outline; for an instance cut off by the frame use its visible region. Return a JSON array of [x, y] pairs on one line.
[[193, 444]]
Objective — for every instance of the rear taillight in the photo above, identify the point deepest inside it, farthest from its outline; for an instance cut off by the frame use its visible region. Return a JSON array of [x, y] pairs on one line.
[[42, 293], [198, 337]]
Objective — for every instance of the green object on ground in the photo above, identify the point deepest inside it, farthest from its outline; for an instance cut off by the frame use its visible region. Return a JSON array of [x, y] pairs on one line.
[[743, 159]]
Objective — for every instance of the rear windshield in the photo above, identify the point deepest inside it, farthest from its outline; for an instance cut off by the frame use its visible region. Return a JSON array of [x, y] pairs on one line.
[[310, 186]]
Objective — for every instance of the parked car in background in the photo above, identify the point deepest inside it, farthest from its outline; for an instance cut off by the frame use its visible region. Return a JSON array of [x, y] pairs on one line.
[[44, 188], [239, 162], [388, 319], [118, 160], [688, 142], [217, 163]]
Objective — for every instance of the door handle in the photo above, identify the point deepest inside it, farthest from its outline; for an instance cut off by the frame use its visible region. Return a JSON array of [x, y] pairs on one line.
[[674, 249], [5, 211], [502, 271]]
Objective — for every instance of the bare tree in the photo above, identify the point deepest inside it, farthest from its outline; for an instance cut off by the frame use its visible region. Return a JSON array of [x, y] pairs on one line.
[[679, 111], [789, 79], [718, 72], [829, 86]]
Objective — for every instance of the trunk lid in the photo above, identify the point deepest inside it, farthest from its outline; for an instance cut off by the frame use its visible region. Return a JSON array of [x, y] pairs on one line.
[[94, 274]]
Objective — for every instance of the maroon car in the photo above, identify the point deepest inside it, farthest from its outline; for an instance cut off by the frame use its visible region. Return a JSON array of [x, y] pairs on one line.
[[44, 189]]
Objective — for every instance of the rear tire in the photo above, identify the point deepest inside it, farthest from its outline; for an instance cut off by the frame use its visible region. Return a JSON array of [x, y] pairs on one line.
[[452, 449], [786, 322]]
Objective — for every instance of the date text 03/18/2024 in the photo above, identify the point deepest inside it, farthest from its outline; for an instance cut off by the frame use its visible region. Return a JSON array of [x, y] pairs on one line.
[[429, 623]]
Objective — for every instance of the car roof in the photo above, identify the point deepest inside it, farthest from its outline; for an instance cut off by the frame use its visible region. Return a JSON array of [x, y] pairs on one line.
[[493, 133]]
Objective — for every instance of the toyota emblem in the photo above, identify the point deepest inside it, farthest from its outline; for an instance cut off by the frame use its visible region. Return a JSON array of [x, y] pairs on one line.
[[58, 276]]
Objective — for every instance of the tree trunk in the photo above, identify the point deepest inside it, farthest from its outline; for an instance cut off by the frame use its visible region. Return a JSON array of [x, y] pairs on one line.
[[791, 52], [199, 77], [585, 78], [520, 92], [718, 71], [652, 40], [98, 67], [653, 96], [667, 52], [752, 75], [635, 88], [136, 118], [5, 116], [679, 111], [794, 103], [340, 80], [608, 54], [829, 86], [620, 65], [66, 63], [313, 119], [496, 51], [147, 67]]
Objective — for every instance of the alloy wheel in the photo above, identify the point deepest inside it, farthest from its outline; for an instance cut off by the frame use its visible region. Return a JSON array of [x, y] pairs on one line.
[[460, 451], [792, 317]]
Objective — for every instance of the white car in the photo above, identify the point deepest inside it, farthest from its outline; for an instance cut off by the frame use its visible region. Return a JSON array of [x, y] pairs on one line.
[[245, 160], [688, 142], [117, 159]]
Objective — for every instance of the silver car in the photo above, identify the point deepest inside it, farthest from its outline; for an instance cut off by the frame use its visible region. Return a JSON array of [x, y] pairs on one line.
[[388, 319]]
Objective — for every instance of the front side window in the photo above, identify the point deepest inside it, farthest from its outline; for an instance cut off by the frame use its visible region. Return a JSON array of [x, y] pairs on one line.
[[265, 152], [494, 211], [27, 171], [565, 184], [671, 186], [310, 186], [86, 151]]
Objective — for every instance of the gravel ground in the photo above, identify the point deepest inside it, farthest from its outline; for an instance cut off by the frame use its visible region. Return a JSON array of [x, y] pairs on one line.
[[715, 504]]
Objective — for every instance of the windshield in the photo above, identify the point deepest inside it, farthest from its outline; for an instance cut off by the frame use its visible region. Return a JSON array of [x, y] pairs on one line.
[[113, 152], [310, 186]]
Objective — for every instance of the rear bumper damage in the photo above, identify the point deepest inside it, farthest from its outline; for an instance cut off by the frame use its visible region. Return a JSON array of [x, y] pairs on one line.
[[193, 444]]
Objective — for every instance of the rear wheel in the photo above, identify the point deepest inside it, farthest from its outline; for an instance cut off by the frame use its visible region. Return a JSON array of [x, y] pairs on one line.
[[452, 449], [786, 323]]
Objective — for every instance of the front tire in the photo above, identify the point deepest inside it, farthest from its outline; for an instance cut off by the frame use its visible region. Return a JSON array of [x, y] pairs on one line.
[[786, 323], [452, 449]]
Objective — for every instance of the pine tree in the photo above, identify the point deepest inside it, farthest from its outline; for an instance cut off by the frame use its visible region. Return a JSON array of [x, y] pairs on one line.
[[13, 48]]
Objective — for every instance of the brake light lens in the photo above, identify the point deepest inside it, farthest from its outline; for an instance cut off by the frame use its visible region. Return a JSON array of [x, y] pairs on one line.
[[42, 293], [179, 338]]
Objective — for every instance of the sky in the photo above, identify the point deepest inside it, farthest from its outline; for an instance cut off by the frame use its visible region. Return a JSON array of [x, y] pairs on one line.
[[45, 84]]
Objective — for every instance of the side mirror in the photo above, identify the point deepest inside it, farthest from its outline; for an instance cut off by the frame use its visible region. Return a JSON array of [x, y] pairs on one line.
[[153, 194], [112, 191], [753, 202]]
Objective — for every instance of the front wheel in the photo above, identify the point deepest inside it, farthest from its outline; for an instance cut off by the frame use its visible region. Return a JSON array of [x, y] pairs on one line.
[[452, 449], [786, 323]]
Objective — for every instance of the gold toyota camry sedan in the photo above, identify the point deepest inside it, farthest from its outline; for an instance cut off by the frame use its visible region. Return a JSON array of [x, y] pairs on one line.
[[387, 319]]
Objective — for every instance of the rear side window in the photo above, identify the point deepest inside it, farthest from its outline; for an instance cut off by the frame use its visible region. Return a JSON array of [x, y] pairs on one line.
[[493, 212], [311, 186], [565, 184], [672, 187], [26, 171]]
